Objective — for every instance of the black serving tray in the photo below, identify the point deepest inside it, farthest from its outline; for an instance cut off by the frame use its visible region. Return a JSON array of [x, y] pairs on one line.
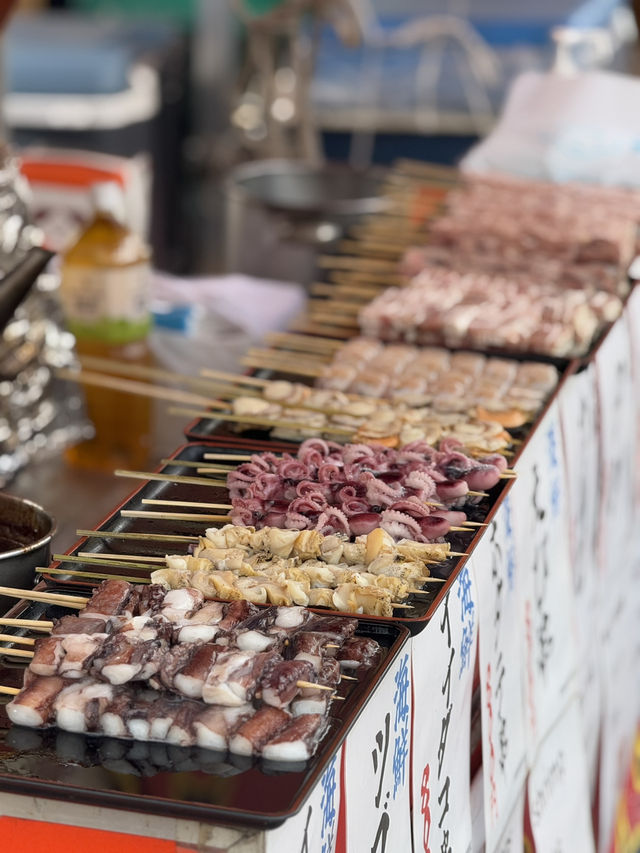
[[423, 605], [163, 780]]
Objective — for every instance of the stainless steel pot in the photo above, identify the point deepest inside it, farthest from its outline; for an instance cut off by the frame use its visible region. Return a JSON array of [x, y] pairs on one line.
[[280, 213], [26, 530]]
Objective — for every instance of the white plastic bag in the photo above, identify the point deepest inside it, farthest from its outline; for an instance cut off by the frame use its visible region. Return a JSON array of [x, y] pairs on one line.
[[583, 127]]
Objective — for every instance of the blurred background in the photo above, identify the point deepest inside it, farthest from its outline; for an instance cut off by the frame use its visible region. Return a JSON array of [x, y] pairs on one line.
[[176, 94]]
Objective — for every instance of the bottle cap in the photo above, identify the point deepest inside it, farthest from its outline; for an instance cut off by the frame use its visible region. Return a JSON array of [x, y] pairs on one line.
[[108, 198]]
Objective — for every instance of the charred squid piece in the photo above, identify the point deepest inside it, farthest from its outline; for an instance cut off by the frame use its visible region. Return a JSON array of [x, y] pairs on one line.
[[109, 599], [234, 678], [203, 626], [75, 625], [190, 680], [78, 707], [258, 730], [236, 612], [342, 627], [33, 706], [214, 726], [357, 652], [298, 740], [280, 686]]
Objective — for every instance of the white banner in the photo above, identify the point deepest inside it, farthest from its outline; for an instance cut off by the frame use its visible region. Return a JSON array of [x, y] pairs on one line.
[[540, 528], [579, 419], [617, 410], [559, 791], [619, 655], [377, 760], [512, 839], [314, 828], [443, 657], [501, 657]]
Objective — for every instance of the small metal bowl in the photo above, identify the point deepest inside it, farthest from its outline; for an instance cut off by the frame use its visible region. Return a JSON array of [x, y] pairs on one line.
[[26, 530]]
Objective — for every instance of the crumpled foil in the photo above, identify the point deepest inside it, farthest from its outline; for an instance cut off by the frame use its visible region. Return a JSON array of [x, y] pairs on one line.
[[40, 414]]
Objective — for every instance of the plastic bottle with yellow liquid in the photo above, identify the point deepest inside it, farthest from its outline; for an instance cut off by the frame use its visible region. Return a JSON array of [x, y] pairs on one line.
[[105, 292]]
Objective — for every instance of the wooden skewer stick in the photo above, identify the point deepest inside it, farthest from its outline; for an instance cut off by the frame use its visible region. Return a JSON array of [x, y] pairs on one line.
[[9, 691], [478, 494], [272, 362], [475, 524], [96, 575], [238, 379], [15, 638], [172, 516], [307, 342], [32, 624], [75, 601], [308, 327], [170, 478], [456, 554], [133, 558], [189, 464], [338, 320], [152, 537], [232, 457], [194, 504], [460, 529], [103, 559], [316, 686], [263, 422], [132, 386], [339, 698], [347, 262], [140, 371], [348, 678], [402, 606], [19, 653], [310, 359], [431, 579]]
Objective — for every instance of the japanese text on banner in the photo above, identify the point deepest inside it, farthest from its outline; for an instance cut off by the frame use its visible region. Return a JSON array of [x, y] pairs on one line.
[[314, 828], [501, 656], [443, 657], [377, 755], [540, 530]]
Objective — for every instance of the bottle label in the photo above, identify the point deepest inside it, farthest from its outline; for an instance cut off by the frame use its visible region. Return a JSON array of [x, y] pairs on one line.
[[107, 304]]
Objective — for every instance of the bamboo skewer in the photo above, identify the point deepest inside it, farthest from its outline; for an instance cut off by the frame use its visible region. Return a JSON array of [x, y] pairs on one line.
[[31, 624], [170, 478], [223, 469], [323, 345], [272, 362], [96, 575], [121, 558], [16, 638], [75, 601], [152, 537], [238, 379], [158, 502], [306, 326], [9, 691], [19, 653], [139, 371], [103, 559], [172, 516], [246, 419], [132, 386]]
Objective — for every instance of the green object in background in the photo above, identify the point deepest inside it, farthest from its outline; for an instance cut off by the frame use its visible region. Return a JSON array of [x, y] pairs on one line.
[[261, 7], [180, 11]]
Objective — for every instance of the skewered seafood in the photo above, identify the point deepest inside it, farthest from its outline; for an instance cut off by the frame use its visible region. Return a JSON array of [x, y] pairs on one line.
[[169, 707], [353, 489]]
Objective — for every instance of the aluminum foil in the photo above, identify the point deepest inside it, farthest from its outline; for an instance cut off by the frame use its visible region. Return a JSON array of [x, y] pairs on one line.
[[39, 413]]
